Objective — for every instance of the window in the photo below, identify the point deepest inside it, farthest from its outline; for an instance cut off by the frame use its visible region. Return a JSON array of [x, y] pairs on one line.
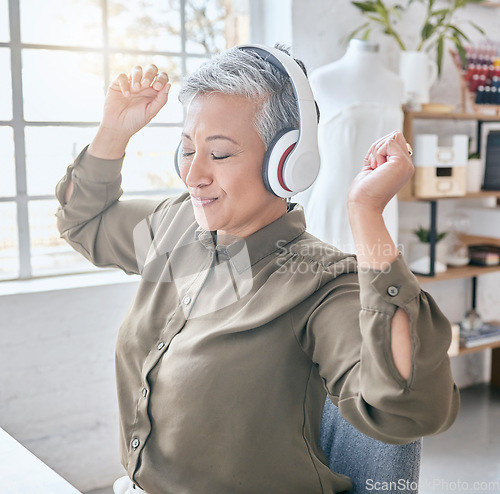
[[57, 57]]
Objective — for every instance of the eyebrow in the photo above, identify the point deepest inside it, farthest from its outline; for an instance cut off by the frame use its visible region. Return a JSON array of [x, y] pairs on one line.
[[212, 138]]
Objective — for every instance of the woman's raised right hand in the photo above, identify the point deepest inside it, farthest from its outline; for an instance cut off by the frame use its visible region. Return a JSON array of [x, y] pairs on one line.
[[131, 103]]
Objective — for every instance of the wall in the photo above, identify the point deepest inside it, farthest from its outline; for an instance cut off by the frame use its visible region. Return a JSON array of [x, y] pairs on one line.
[[320, 30], [58, 384], [271, 22]]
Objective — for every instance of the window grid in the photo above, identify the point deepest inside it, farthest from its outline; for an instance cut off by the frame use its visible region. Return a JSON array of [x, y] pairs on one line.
[[19, 124]]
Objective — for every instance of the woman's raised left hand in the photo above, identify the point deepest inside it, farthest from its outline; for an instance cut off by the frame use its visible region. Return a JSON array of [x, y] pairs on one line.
[[387, 167]]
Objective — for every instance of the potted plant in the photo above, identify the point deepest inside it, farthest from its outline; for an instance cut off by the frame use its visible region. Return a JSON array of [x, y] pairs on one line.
[[420, 252], [439, 25]]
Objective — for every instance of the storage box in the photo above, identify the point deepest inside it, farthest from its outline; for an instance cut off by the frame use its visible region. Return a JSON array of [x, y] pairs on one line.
[[440, 171]]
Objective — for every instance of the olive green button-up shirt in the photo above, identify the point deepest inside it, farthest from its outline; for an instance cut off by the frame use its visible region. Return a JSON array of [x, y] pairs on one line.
[[224, 359]]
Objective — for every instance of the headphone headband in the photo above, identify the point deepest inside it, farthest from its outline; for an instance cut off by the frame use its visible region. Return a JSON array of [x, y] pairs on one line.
[[301, 166]]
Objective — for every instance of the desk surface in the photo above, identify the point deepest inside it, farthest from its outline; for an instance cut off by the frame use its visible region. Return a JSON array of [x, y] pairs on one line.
[[21, 472]]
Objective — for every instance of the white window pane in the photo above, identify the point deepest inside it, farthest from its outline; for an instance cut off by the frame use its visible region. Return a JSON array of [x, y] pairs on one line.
[[172, 112], [49, 151], [49, 253], [5, 85], [8, 181], [4, 21], [62, 86], [149, 163], [193, 63], [145, 25], [61, 22], [9, 252], [205, 26]]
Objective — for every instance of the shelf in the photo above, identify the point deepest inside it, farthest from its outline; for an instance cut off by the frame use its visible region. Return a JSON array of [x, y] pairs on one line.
[[484, 194], [453, 273], [469, 271], [478, 348], [474, 349], [452, 115]]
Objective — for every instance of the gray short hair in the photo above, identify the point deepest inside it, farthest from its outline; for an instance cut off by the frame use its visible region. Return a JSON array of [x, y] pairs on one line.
[[239, 72]]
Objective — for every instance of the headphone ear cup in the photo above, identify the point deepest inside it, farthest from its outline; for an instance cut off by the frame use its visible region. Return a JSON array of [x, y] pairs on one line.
[[275, 161], [177, 158]]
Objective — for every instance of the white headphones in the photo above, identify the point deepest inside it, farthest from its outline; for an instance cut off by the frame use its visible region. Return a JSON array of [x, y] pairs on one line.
[[291, 163]]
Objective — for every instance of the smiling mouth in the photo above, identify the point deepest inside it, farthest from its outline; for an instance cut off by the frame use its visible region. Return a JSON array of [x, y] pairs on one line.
[[202, 202]]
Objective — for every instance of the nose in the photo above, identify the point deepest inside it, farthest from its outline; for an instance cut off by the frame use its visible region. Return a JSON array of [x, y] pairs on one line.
[[197, 172]]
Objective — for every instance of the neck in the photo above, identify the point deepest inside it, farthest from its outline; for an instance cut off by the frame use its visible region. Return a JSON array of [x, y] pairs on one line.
[[362, 49], [226, 237]]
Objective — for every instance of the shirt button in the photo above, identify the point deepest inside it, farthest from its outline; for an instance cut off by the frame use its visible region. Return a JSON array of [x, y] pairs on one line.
[[135, 443], [187, 300], [160, 345], [393, 290], [144, 392]]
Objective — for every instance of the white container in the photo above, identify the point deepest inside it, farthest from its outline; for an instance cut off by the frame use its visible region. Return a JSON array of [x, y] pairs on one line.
[[474, 175], [418, 73], [427, 152], [440, 171]]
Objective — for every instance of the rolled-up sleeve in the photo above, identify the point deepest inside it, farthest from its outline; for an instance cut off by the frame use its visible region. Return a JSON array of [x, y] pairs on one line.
[[94, 221], [354, 321]]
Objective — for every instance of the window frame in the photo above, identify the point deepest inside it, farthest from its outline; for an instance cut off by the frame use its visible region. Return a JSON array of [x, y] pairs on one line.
[[18, 123]]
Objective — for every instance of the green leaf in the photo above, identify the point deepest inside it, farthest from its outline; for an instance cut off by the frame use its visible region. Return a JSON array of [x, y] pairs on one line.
[[459, 33], [357, 30], [478, 28], [442, 12], [427, 31], [424, 235], [382, 12], [439, 56], [365, 6], [462, 53]]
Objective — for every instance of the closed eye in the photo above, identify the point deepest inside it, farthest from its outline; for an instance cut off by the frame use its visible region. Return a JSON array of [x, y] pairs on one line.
[[221, 157], [186, 154]]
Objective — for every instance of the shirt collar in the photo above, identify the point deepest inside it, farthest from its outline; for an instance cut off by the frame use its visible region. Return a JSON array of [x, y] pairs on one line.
[[245, 252]]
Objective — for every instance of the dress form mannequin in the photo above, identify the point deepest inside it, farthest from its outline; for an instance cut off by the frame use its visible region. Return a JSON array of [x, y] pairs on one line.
[[358, 77], [360, 101]]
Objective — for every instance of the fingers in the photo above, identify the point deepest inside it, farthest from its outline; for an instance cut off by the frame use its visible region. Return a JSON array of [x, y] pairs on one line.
[[149, 75], [140, 79], [161, 81], [123, 84], [136, 77], [391, 145]]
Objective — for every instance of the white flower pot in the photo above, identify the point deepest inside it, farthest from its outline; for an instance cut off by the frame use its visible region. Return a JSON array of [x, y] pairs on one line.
[[420, 257], [418, 73], [474, 175]]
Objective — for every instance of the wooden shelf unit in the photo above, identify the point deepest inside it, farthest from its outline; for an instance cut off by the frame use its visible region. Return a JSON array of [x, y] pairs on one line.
[[469, 271]]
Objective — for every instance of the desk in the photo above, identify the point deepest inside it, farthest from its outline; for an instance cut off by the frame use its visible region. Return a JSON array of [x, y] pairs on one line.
[[21, 472]]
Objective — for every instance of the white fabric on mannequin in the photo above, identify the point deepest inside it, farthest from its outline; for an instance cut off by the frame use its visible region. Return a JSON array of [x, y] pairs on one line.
[[360, 101]]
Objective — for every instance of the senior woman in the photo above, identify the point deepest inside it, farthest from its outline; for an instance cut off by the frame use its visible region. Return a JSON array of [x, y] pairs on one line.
[[243, 322]]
